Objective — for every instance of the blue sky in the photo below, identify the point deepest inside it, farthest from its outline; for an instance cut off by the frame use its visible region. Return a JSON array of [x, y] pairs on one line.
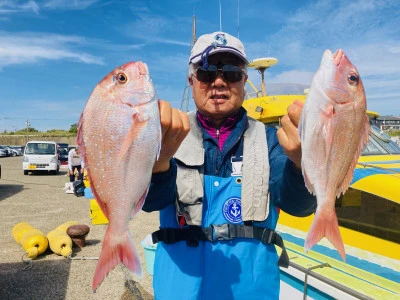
[[54, 52]]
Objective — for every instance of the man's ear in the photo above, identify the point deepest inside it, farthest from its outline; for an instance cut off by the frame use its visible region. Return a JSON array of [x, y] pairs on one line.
[[190, 80]]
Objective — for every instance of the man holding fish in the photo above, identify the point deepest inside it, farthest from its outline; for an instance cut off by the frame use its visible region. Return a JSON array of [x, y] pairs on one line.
[[219, 183]]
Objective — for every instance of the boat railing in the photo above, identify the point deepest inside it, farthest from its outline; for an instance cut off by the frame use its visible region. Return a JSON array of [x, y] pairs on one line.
[[254, 93]]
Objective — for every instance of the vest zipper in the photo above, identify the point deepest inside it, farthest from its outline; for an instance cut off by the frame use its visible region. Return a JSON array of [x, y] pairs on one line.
[[218, 151]]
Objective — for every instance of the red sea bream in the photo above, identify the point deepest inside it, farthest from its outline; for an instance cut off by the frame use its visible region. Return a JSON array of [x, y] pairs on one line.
[[119, 133], [333, 130]]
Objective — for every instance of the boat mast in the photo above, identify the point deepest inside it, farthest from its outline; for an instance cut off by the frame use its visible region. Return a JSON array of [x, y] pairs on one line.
[[194, 39], [220, 16], [238, 19], [186, 90]]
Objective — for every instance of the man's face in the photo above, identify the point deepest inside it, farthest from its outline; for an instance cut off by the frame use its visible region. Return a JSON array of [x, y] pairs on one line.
[[219, 99]]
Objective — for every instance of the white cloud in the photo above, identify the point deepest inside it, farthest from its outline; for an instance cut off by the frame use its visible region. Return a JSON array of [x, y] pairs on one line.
[[367, 30], [302, 77], [33, 47], [18, 6], [7, 7], [68, 4], [157, 29], [374, 59], [324, 24]]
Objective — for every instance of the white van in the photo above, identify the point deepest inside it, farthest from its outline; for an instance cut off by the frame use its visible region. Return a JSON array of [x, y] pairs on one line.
[[41, 156]]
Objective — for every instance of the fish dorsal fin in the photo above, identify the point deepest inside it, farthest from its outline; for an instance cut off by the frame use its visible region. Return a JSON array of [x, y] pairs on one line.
[[138, 123], [349, 175]]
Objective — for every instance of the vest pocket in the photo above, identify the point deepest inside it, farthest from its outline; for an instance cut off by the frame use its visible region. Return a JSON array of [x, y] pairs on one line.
[[190, 190]]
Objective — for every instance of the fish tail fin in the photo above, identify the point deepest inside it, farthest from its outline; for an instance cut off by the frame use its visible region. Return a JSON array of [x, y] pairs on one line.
[[325, 225], [116, 250]]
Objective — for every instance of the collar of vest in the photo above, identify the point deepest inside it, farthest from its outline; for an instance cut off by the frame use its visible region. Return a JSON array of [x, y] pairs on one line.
[[193, 143]]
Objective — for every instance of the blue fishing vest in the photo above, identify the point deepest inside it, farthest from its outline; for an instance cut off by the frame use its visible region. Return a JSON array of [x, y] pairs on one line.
[[216, 262]]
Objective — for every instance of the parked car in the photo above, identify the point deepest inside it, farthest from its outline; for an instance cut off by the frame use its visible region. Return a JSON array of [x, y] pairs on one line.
[[62, 149], [19, 149], [5, 150], [41, 156], [13, 151]]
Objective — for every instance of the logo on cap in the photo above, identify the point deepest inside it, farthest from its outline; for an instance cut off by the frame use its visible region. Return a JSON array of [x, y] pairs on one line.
[[220, 39]]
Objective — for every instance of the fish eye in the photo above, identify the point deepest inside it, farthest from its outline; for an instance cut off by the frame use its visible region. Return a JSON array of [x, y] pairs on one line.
[[353, 79], [121, 78]]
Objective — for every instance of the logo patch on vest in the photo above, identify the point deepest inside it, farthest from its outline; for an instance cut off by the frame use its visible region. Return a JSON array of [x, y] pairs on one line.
[[232, 210]]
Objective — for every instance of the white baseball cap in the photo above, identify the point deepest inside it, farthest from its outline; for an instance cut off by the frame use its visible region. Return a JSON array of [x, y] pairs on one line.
[[216, 42]]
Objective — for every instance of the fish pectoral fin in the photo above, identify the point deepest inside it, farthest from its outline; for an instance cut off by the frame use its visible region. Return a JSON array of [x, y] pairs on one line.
[[137, 126]]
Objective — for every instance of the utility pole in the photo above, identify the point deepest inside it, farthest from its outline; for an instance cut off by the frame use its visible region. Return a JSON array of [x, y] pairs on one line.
[[27, 130]]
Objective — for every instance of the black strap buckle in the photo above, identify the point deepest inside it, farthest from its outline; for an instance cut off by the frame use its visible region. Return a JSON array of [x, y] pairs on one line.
[[267, 236], [221, 232]]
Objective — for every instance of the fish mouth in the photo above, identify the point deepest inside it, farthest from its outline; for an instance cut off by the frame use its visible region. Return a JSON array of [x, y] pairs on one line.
[[143, 69], [337, 56]]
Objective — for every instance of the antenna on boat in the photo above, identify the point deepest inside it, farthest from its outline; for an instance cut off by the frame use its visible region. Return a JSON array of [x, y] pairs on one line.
[[261, 64], [238, 19], [194, 39], [186, 90], [220, 16]]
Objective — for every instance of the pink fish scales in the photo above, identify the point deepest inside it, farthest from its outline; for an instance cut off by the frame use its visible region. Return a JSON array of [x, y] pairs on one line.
[[120, 134], [333, 130]]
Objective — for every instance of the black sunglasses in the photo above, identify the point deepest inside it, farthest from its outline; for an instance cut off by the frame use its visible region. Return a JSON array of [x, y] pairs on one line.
[[229, 73]]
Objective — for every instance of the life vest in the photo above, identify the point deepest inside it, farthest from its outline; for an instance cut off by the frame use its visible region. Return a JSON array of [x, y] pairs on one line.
[[225, 249], [255, 171]]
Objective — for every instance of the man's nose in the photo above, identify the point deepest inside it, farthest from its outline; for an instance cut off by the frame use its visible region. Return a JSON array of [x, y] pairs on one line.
[[219, 80]]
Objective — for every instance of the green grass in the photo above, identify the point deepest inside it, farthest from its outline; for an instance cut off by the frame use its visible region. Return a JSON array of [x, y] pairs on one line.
[[394, 133]]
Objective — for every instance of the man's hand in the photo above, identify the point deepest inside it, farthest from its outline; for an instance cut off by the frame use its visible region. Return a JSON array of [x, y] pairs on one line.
[[174, 128], [288, 134]]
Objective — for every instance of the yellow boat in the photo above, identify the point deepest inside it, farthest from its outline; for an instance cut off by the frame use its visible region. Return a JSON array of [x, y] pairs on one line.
[[368, 214]]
